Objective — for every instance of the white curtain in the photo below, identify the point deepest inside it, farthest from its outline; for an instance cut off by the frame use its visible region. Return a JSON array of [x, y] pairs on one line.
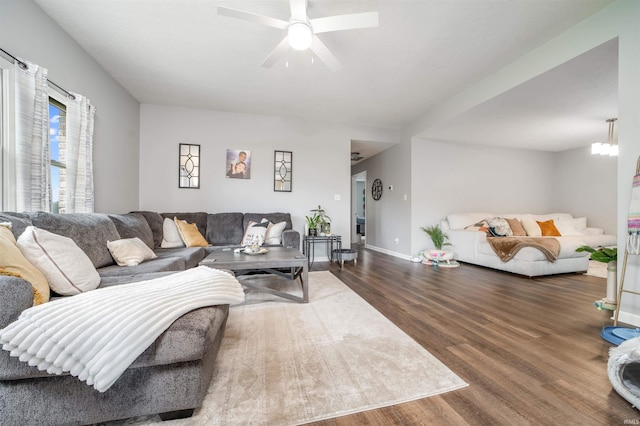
[[77, 195], [32, 165]]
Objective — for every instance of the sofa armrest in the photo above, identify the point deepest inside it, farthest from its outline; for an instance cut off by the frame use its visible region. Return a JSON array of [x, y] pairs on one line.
[[291, 239], [16, 295]]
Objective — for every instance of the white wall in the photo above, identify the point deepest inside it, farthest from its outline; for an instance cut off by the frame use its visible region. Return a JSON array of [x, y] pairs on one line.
[[321, 163], [461, 178], [388, 218], [27, 32], [587, 185]]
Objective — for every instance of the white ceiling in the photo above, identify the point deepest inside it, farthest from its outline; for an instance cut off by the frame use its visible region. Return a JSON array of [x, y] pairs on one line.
[[180, 52]]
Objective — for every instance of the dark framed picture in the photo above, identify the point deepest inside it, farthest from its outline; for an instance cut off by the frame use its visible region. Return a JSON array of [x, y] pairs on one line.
[[238, 164], [188, 166], [283, 169]]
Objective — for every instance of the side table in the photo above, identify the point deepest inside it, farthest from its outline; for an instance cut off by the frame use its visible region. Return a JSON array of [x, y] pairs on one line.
[[333, 242]]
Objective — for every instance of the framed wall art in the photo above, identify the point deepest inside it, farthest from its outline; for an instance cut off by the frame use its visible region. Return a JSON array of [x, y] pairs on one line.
[[283, 168], [188, 166], [238, 164]]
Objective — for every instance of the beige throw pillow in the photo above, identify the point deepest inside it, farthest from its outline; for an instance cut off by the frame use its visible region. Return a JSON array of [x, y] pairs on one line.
[[516, 227], [532, 228], [13, 263], [190, 234], [170, 235], [130, 251], [68, 269], [274, 232], [255, 233]]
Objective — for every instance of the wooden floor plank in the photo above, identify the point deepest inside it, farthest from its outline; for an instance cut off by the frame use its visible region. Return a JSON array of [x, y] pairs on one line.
[[529, 348]]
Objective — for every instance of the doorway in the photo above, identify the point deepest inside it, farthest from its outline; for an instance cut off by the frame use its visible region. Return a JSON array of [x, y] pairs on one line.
[[358, 208]]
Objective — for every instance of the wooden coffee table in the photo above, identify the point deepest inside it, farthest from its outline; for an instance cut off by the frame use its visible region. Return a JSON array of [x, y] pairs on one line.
[[276, 261]]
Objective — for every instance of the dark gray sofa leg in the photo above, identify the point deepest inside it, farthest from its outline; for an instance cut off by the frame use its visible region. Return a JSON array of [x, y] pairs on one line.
[[173, 415]]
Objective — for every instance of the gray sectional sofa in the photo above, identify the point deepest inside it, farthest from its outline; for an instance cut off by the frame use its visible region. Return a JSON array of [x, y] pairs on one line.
[[171, 377]]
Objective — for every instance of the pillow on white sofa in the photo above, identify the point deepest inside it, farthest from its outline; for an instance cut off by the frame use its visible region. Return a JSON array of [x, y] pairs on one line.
[[67, 268], [567, 228], [531, 226], [462, 220], [130, 251], [498, 226]]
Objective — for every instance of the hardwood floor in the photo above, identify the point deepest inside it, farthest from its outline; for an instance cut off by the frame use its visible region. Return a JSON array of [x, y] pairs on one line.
[[530, 349]]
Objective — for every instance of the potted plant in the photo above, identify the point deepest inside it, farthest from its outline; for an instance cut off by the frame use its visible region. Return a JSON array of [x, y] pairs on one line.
[[323, 222], [608, 255], [312, 224], [439, 239]]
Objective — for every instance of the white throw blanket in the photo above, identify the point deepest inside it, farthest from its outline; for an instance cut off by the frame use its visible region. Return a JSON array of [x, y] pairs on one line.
[[624, 370], [96, 335]]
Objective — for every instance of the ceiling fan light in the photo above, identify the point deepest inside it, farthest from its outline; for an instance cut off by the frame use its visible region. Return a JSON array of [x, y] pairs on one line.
[[300, 36], [613, 151], [605, 149]]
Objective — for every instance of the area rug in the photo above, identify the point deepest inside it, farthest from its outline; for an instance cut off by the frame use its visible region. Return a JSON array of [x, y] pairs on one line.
[[285, 363]]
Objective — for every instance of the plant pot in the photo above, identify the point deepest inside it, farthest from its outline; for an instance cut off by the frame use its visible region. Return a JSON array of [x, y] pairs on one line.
[[612, 282]]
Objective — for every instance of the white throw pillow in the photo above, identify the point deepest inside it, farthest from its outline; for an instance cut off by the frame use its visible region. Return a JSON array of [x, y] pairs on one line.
[[67, 268], [566, 227], [130, 251], [580, 223], [274, 232], [531, 226], [170, 234], [500, 226], [254, 235]]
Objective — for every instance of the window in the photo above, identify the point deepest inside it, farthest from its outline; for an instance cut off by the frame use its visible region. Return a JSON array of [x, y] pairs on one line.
[[57, 145]]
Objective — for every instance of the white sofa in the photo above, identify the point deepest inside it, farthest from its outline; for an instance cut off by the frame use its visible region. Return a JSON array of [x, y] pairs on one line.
[[472, 247]]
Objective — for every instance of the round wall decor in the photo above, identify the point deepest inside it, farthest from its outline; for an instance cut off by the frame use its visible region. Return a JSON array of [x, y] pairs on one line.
[[376, 189]]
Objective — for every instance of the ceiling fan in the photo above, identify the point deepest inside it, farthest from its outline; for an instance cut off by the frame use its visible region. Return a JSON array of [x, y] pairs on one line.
[[302, 31]]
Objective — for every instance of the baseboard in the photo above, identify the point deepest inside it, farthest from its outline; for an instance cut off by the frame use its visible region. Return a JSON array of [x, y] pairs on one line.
[[389, 252]]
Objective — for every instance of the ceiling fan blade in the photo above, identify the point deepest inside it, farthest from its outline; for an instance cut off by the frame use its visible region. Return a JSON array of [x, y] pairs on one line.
[[253, 17], [298, 10], [344, 22], [319, 48], [276, 53]]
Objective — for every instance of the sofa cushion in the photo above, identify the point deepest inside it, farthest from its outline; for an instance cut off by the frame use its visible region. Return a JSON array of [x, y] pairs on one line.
[[191, 255], [19, 222], [189, 337], [224, 228], [13, 263], [133, 225], [271, 217], [130, 251], [154, 220], [155, 265], [199, 218], [68, 270], [531, 226], [90, 231]]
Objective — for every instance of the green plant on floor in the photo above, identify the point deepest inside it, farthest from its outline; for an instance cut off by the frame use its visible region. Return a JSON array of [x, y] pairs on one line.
[[438, 236], [601, 254]]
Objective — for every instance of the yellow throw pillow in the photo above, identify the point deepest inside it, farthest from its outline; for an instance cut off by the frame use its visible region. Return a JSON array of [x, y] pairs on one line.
[[13, 263], [190, 234], [548, 229]]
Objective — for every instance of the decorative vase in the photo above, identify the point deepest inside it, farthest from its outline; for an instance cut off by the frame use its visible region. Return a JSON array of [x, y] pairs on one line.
[[612, 282], [313, 232]]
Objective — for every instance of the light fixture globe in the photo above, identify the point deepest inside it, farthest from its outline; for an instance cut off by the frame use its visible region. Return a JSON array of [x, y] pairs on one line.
[[300, 35]]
